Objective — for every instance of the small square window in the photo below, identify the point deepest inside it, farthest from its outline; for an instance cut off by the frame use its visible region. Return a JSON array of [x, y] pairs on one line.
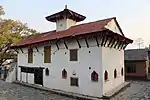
[[73, 55], [74, 81]]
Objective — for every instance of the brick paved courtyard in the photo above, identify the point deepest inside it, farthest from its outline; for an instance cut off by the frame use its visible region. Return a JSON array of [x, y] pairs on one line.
[[139, 90]]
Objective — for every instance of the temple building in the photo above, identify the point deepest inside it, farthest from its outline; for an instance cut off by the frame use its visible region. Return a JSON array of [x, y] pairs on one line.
[[86, 59]]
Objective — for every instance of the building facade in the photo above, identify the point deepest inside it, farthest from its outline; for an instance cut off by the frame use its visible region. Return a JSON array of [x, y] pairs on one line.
[[87, 59], [137, 63]]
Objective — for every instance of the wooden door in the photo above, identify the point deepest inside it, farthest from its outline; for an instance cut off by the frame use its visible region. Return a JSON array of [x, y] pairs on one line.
[[38, 76]]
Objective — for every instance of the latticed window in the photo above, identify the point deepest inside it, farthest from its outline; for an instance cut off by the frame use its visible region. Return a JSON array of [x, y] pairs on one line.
[[115, 73], [73, 55], [47, 54], [30, 55], [94, 76], [64, 74], [106, 76]]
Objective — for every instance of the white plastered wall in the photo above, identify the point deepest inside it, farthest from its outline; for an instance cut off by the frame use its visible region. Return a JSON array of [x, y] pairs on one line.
[[112, 59], [61, 61], [113, 27]]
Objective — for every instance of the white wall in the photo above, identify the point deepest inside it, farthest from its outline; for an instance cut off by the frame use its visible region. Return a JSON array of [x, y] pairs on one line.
[[113, 27], [60, 61], [112, 59], [64, 24]]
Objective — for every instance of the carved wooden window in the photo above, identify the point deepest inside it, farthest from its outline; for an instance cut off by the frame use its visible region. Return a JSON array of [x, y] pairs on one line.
[[94, 76], [122, 71], [115, 73], [47, 72], [64, 74], [73, 55], [30, 55], [47, 54], [74, 81], [106, 76]]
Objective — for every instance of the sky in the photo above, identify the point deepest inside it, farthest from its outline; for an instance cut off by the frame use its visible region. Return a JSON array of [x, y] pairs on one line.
[[132, 15]]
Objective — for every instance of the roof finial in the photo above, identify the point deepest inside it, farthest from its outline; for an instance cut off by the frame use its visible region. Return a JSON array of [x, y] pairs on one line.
[[65, 6]]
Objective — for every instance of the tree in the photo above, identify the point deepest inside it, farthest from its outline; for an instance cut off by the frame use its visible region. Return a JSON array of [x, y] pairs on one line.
[[11, 32], [1, 10]]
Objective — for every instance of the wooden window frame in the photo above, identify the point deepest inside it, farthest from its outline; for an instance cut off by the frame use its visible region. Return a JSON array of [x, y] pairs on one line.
[[74, 79], [30, 54], [75, 51], [47, 54]]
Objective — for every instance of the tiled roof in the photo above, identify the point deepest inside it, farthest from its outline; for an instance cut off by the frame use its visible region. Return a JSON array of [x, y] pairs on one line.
[[81, 29], [136, 54], [67, 13]]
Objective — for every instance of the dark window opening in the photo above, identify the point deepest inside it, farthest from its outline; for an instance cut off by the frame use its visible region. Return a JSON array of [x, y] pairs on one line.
[[64, 74], [47, 72], [131, 68], [27, 69], [74, 81], [122, 72], [94, 77], [115, 73], [73, 55], [106, 76]]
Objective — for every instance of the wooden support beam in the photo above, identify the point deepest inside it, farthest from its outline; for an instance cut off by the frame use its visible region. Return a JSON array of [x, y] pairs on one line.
[[116, 43], [36, 49], [96, 40], [16, 50], [78, 42], [125, 46], [113, 43], [31, 49], [65, 44], [21, 50], [106, 41], [103, 38], [122, 45], [86, 42], [110, 41], [119, 44], [57, 46]]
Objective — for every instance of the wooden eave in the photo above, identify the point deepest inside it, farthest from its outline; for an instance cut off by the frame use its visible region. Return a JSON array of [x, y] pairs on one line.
[[66, 13]]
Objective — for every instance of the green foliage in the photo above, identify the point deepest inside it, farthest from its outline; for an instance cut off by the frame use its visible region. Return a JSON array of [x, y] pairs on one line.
[[11, 32]]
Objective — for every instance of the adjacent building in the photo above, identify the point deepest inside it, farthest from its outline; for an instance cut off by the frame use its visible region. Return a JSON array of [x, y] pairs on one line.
[[137, 63], [87, 58]]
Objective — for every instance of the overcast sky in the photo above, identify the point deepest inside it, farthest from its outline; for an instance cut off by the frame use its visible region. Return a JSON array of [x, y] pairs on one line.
[[132, 15]]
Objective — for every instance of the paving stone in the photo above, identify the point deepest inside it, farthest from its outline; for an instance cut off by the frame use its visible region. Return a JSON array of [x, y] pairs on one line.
[[138, 90]]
